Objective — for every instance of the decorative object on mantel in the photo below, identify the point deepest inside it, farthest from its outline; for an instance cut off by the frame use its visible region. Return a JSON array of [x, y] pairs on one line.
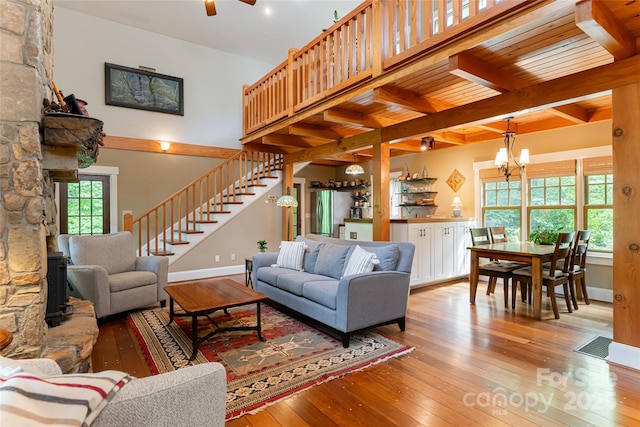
[[457, 206], [74, 131], [455, 180]]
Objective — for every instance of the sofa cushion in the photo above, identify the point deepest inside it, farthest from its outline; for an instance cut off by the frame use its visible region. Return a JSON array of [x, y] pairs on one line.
[[360, 261], [291, 255], [115, 252], [323, 292], [310, 254], [388, 256], [331, 260], [293, 281], [131, 280], [269, 274]]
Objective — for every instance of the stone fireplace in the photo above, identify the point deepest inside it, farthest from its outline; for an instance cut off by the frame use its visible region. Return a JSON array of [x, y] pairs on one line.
[[27, 209]]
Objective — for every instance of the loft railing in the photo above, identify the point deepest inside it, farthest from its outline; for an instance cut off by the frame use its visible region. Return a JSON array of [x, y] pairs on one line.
[[170, 221], [366, 43]]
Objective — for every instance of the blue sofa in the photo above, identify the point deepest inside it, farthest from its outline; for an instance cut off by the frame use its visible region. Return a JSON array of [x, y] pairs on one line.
[[347, 304]]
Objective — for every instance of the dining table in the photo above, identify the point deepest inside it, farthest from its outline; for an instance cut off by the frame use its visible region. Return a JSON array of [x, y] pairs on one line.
[[533, 254]]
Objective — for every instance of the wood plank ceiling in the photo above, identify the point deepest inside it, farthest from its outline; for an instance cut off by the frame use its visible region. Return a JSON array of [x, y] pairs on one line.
[[556, 40]]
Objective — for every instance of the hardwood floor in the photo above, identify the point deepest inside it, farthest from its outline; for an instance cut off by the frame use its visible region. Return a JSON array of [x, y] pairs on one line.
[[472, 365]]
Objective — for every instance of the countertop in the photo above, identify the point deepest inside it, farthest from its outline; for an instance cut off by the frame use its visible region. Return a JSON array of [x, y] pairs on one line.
[[417, 220]]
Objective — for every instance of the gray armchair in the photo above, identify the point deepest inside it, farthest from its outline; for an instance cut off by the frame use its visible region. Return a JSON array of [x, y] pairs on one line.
[[106, 270], [191, 396]]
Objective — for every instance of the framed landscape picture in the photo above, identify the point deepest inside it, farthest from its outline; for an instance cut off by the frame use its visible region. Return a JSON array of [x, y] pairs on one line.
[[144, 90]]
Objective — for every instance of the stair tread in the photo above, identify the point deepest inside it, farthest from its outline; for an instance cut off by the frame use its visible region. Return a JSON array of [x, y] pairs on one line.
[[218, 212], [251, 185], [193, 232], [161, 253], [177, 242], [206, 221]]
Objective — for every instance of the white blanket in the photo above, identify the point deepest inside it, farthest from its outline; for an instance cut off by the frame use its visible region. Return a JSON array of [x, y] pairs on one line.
[[28, 399]]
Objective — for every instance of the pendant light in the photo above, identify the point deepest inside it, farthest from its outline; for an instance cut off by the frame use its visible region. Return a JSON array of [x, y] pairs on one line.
[[354, 169]]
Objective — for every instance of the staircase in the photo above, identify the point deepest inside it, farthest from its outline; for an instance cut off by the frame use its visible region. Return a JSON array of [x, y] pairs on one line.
[[195, 212]]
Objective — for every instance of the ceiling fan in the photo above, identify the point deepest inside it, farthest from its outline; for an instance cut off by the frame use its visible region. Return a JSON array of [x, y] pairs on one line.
[[211, 6]]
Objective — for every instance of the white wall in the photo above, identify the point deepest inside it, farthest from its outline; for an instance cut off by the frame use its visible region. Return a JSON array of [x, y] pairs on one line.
[[212, 79]]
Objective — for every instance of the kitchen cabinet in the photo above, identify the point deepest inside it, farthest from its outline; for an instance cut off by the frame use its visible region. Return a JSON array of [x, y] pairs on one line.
[[441, 248], [421, 235], [444, 250], [463, 241]]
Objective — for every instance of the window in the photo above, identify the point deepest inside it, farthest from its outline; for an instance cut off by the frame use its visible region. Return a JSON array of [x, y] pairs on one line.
[[552, 195], [501, 206], [598, 202], [84, 205]]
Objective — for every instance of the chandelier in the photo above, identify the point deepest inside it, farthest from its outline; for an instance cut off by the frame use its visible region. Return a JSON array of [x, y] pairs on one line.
[[354, 169], [505, 155]]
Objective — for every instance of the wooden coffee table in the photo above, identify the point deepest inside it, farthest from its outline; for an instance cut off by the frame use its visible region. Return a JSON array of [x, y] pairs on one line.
[[205, 297]]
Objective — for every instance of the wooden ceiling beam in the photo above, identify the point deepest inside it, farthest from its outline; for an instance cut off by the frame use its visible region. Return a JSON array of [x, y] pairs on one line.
[[541, 95], [317, 132], [291, 140], [571, 112], [454, 138], [470, 68], [598, 22], [357, 118], [407, 100]]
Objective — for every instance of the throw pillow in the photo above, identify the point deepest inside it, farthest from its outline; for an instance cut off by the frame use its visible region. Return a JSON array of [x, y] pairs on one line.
[[291, 255], [360, 262], [388, 255], [311, 253], [331, 260]]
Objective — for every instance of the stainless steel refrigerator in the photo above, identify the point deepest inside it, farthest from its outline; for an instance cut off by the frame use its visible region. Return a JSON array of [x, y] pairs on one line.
[[329, 208]]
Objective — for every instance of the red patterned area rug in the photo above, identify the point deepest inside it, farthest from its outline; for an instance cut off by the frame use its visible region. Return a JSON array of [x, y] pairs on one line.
[[294, 357]]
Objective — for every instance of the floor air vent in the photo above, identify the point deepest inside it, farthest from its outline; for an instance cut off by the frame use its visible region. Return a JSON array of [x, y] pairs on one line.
[[596, 347]]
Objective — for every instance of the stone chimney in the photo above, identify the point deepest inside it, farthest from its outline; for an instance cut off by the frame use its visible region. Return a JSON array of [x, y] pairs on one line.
[[26, 67]]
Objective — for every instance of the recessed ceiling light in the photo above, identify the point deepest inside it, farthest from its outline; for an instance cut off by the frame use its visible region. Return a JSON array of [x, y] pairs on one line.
[[267, 10]]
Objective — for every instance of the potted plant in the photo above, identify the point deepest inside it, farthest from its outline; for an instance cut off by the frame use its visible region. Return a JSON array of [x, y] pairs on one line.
[[545, 235], [262, 245]]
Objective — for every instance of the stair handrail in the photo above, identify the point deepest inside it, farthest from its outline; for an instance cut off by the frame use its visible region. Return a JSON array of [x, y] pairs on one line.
[[199, 201]]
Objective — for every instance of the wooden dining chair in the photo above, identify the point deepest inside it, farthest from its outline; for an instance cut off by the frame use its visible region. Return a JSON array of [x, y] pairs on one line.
[[499, 235], [552, 276], [494, 269], [578, 267]]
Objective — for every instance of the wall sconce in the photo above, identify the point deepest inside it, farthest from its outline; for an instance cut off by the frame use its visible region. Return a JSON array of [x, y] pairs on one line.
[[427, 143], [271, 199], [165, 145]]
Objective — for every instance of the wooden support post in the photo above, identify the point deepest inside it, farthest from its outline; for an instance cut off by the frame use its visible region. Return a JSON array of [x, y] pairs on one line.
[[626, 234], [381, 223], [287, 213]]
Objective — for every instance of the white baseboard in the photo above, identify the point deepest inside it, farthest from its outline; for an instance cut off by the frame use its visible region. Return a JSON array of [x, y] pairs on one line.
[[625, 355], [179, 276], [599, 294]]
